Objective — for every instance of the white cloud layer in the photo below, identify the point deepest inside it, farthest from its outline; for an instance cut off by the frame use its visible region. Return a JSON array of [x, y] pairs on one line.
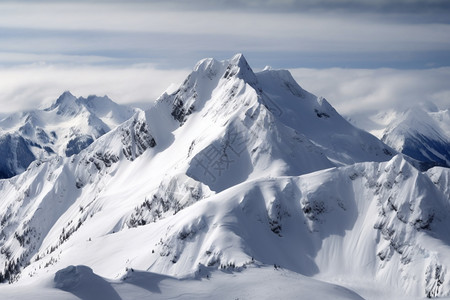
[[120, 48], [356, 92], [38, 85]]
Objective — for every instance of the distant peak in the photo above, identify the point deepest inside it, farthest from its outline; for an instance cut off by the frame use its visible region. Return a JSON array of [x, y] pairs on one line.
[[95, 98], [64, 96], [64, 101]]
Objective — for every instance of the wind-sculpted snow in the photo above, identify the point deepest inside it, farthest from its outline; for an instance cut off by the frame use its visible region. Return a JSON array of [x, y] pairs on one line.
[[233, 172], [84, 283]]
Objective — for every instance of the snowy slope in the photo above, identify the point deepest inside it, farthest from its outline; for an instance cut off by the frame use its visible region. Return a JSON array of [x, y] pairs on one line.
[[229, 85], [318, 120], [65, 128], [384, 223], [75, 282], [233, 173]]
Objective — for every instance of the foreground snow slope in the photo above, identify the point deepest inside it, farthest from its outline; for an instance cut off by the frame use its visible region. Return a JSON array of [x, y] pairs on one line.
[[232, 171], [75, 282], [386, 223], [64, 128]]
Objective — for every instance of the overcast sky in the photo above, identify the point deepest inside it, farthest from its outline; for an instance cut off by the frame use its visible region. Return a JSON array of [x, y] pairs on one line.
[[360, 55]]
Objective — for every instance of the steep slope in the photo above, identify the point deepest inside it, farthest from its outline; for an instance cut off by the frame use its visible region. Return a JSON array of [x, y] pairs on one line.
[[227, 131], [233, 171], [234, 138], [232, 84], [318, 120], [383, 222], [65, 128]]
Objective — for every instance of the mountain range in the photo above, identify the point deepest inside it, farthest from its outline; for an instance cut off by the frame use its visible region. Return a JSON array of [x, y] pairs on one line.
[[63, 129], [237, 176]]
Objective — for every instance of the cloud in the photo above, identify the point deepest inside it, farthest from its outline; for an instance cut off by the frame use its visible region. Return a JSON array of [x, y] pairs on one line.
[[351, 91], [361, 93], [156, 31], [84, 20], [38, 85], [385, 6], [132, 50]]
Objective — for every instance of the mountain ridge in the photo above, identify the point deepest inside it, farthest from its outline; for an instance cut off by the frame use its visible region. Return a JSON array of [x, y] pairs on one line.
[[232, 172], [65, 128]]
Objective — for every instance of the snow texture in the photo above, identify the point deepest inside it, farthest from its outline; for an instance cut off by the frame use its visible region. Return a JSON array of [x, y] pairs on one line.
[[65, 128], [233, 181]]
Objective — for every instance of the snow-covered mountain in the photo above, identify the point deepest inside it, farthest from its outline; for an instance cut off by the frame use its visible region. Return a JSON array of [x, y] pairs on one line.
[[64, 128], [236, 171], [422, 132]]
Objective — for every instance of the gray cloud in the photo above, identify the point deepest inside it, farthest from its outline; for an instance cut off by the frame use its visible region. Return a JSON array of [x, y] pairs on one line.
[[389, 6]]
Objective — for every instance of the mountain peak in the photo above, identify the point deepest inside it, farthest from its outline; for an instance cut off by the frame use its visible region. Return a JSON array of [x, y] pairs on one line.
[[66, 96], [64, 100], [205, 64], [94, 101], [236, 66], [239, 67], [238, 59], [218, 177]]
